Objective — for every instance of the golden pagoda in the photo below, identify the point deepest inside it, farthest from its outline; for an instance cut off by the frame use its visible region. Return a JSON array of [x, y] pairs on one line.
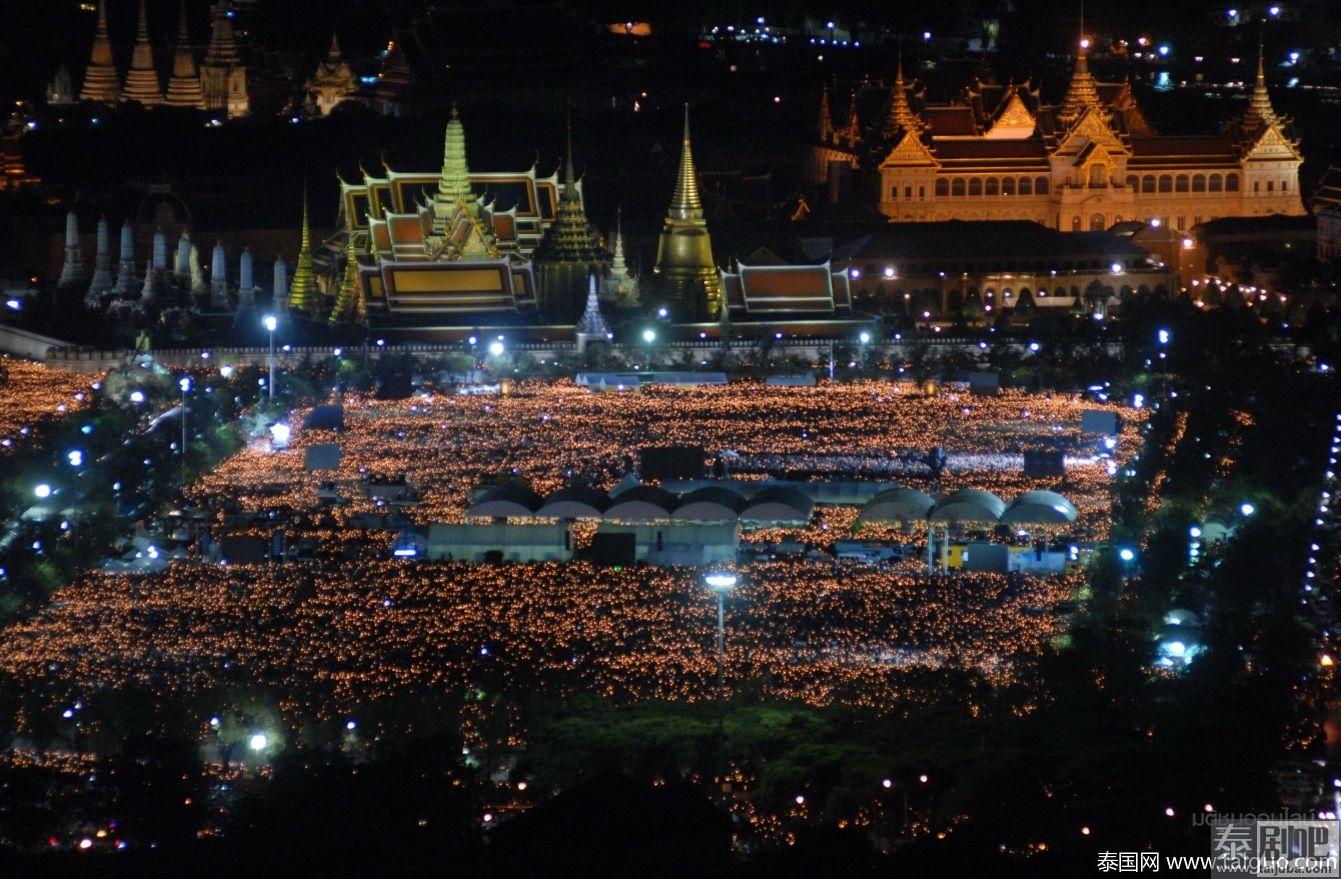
[[142, 83], [100, 81], [687, 276], [303, 295], [184, 89], [901, 117]]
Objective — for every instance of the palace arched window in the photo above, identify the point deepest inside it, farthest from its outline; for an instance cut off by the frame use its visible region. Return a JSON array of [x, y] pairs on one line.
[[957, 186], [1026, 186], [1097, 223], [1215, 183], [942, 187], [1008, 186], [1040, 186], [1165, 183], [1148, 183], [1181, 184], [975, 187], [1231, 183], [992, 186]]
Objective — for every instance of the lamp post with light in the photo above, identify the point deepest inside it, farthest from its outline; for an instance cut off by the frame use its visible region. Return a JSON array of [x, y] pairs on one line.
[[649, 336], [721, 582], [270, 323], [185, 384]]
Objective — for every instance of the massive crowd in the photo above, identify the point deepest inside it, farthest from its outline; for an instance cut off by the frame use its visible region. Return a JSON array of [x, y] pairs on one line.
[[551, 434], [31, 395], [325, 637]]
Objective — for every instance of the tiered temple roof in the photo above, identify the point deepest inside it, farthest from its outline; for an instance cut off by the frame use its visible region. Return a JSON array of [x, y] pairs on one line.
[[454, 242]]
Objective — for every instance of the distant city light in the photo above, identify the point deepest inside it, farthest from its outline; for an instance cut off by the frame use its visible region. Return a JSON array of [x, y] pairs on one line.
[[496, 348], [43, 490], [137, 396], [1247, 509], [270, 322], [1126, 554], [258, 742]]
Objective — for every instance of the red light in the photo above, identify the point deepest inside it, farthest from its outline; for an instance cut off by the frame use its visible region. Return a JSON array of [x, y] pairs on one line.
[[704, 44]]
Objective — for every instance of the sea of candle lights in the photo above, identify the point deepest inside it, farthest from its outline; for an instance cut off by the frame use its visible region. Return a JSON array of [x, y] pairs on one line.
[[32, 394], [554, 433], [327, 637]]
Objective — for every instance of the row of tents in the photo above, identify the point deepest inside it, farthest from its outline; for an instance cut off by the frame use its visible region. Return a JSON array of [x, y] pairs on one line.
[[901, 505], [765, 506], [647, 503]]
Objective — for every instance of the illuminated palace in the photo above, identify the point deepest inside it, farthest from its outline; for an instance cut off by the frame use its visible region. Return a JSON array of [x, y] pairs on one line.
[[1087, 163], [448, 247]]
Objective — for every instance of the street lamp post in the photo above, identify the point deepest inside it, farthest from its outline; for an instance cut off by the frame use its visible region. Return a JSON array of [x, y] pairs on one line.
[[270, 324], [185, 384], [649, 336], [721, 582]]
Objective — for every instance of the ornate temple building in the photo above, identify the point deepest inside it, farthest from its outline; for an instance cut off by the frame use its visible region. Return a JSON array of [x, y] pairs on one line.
[[456, 244], [332, 82], [685, 277], [1087, 163]]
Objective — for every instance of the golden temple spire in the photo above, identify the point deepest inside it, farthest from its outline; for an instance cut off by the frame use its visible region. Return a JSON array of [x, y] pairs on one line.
[[1082, 94], [685, 203], [686, 274], [350, 303], [825, 127], [304, 295], [1260, 113], [852, 130], [901, 116], [569, 177], [454, 182]]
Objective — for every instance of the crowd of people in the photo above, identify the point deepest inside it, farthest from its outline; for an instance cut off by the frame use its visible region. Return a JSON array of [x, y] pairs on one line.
[[327, 637], [32, 394], [552, 434]]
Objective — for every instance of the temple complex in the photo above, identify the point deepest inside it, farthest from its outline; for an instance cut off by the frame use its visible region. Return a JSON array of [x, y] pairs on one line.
[[1084, 164], [452, 245], [685, 275]]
